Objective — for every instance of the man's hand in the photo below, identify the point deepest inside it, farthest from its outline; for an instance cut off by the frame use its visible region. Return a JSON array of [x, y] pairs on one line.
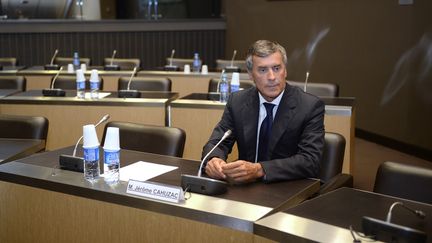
[[242, 171], [214, 168]]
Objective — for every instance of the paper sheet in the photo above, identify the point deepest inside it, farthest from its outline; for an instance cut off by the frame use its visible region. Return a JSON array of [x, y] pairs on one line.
[[142, 171], [101, 95]]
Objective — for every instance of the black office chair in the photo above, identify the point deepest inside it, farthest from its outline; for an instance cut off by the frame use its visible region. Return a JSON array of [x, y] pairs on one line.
[[64, 61], [145, 84], [148, 138], [124, 64], [8, 61], [68, 82], [319, 89], [404, 181], [13, 82], [28, 127], [179, 62], [331, 175], [244, 84], [222, 64]]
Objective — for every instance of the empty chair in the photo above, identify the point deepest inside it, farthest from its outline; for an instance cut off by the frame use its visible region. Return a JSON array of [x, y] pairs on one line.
[[8, 61], [68, 82], [332, 159], [148, 138], [124, 64], [179, 62], [240, 64], [145, 84], [318, 89], [13, 82], [29, 127], [64, 61], [404, 181], [244, 84]]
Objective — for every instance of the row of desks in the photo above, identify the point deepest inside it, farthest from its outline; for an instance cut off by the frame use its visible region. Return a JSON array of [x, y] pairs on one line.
[[55, 205]]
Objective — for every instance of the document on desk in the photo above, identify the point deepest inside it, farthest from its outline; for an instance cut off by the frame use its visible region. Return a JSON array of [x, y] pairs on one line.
[[101, 95], [142, 171]]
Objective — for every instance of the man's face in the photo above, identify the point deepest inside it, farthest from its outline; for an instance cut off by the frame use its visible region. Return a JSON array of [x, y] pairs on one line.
[[269, 75]]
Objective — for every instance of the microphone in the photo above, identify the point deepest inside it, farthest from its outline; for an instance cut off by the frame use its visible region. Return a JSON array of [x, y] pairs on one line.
[[205, 185], [306, 80], [387, 231], [171, 67], [128, 93], [51, 65], [112, 66], [54, 92], [74, 163], [231, 68], [220, 79]]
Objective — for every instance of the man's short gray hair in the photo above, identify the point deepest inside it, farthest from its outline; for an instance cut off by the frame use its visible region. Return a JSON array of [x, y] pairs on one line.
[[264, 48]]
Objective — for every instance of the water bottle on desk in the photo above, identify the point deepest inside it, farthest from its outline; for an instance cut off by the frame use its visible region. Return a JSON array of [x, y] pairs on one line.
[[224, 89], [196, 65], [112, 156], [80, 84], [91, 153], [94, 84], [76, 61]]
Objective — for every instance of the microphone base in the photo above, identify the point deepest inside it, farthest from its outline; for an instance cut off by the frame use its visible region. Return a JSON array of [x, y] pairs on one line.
[[69, 162], [54, 92], [389, 232], [171, 68], [129, 93], [203, 185], [52, 67], [231, 69], [112, 67]]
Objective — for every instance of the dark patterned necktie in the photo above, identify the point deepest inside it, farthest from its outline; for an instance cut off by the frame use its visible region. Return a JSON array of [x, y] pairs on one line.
[[265, 132]]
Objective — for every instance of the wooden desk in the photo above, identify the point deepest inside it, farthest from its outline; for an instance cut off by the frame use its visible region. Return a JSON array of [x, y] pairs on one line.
[[63, 207], [11, 70], [198, 114], [68, 114], [7, 92], [12, 149], [327, 218], [38, 78]]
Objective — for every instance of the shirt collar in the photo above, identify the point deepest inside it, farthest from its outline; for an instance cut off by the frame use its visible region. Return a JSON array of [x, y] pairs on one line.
[[275, 102]]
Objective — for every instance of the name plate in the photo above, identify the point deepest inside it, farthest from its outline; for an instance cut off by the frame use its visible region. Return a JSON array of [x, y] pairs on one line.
[[155, 191]]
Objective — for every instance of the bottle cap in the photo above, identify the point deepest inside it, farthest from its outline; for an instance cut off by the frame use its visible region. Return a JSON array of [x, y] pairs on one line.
[[80, 75], [235, 79], [90, 136], [94, 76], [112, 139]]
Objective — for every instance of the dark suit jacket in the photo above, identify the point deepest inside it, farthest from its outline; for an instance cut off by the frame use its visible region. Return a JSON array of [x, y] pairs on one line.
[[297, 138]]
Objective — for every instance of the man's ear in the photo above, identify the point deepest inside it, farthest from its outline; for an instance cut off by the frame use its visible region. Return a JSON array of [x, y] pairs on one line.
[[250, 75]]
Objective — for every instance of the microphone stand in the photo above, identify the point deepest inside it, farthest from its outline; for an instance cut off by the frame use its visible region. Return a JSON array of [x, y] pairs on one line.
[[112, 66], [231, 68], [128, 93], [54, 92], [51, 65], [170, 67], [306, 81]]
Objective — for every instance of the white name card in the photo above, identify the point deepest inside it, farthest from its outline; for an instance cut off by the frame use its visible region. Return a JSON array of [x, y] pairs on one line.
[[155, 191]]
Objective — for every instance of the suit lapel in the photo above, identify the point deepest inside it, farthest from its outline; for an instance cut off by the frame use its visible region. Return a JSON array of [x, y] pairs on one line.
[[249, 114], [283, 116]]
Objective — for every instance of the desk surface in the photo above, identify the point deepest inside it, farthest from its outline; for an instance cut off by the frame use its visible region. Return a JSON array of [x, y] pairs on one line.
[[39, 70], [237, 209], [12, 149], [7, 92], [331, 215], [11, 70]]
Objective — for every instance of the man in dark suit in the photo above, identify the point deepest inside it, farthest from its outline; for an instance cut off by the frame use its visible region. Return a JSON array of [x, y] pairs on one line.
[[278, 128]]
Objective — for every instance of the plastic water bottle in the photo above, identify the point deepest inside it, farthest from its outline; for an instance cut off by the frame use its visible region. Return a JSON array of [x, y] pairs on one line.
[[91, 153], [235, 82], [112, 156], [196, 65], [94, 84], [80, 84], [76, 61], [224, 89]]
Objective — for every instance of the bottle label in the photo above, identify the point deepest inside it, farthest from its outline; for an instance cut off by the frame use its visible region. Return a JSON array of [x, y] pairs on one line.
[[94, 85], [91, 154], [223, 87], [234, 88], [111, 158], [80, 85]]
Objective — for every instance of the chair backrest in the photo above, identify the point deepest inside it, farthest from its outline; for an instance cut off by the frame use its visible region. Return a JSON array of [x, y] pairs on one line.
[[145, 83], [404, 181], [333, 156], [8, 61], [179, 62], [244, 84], [68, 82], [124, 64], [319, 89], [64, 61], [13, 82], [221, 64], [148, 138], [30, 127]]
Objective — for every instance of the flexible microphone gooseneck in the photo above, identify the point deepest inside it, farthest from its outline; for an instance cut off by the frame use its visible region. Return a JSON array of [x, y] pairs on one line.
[[306, 81], [220, 79], [233, 57], [419, 213], [128, 93], [52, 91], [231, 68], [171, 67], [104, 119], [112, 66], [205, 185], [172, 56], [51, 65], [53, 57], [113, 56]]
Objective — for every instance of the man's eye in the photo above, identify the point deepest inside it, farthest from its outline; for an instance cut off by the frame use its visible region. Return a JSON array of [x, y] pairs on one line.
[[261, 70], [276, 68]]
